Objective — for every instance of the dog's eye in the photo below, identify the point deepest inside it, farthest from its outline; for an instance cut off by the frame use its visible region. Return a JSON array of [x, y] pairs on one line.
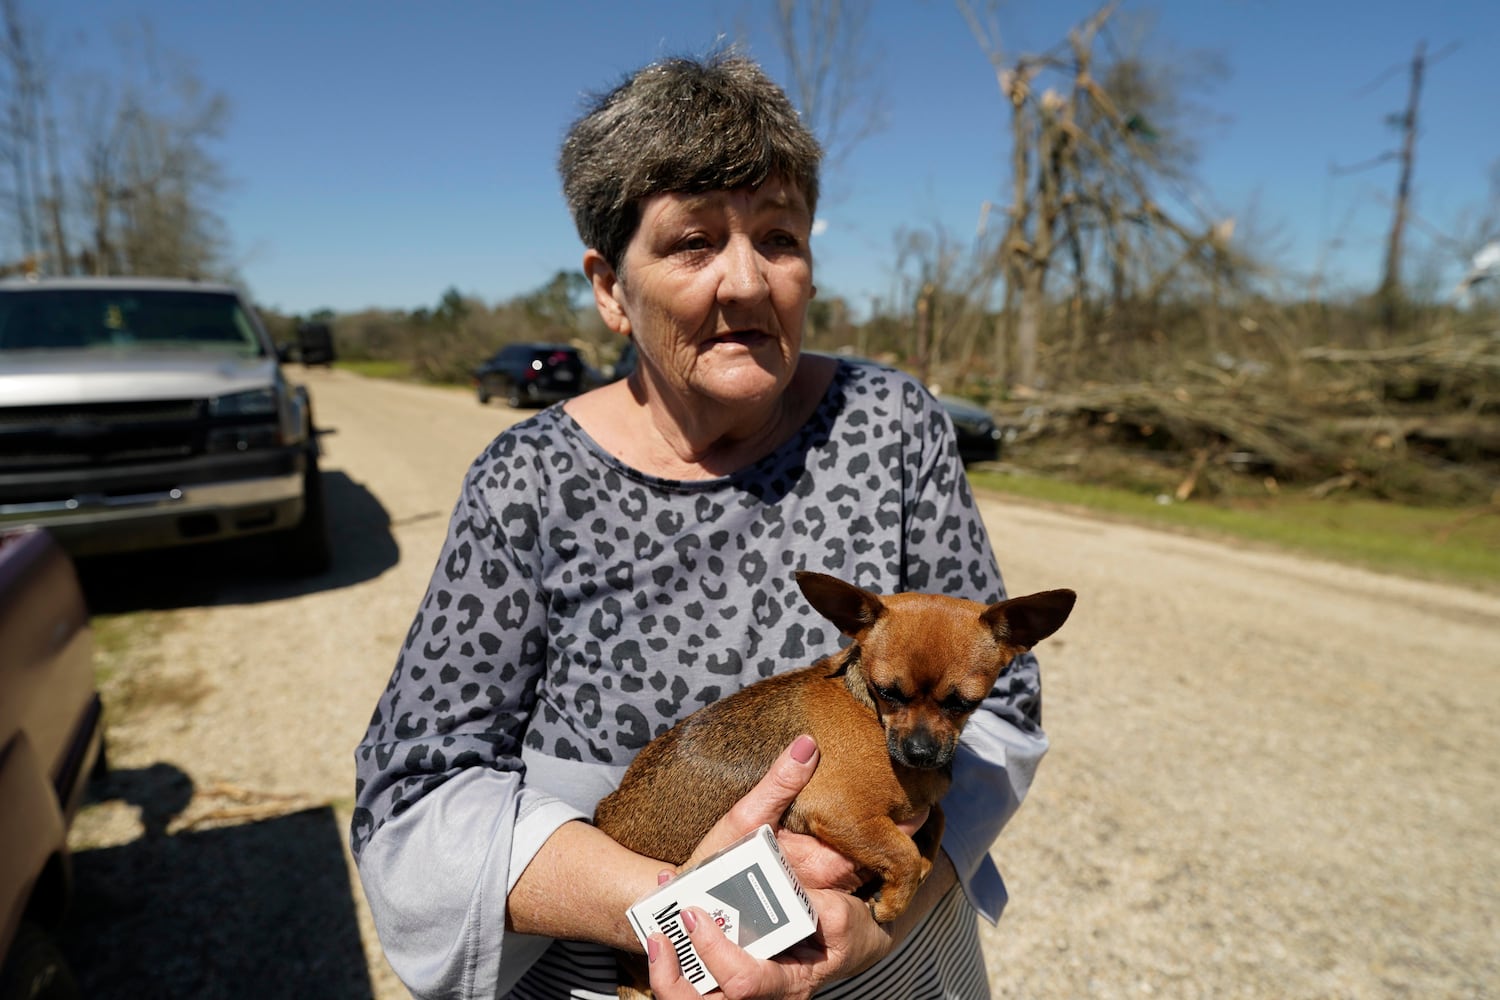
[[891, 694], [954, 705]]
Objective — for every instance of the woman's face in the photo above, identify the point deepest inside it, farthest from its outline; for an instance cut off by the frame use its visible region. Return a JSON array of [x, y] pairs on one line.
[[714, 288]]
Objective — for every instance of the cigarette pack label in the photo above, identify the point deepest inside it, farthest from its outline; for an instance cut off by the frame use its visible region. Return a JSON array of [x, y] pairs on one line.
[[748, 890]]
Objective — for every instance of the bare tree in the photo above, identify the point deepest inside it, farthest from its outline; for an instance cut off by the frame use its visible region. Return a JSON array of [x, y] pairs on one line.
[[1097, 181], [1390, 275], [943, 285], [22, 132], [129, 188], [1388, 294], [149, 174], [832, 80]]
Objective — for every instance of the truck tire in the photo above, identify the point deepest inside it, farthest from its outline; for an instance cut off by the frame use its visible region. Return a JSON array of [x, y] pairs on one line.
[[305, 549], [35, 969], [100, 773]]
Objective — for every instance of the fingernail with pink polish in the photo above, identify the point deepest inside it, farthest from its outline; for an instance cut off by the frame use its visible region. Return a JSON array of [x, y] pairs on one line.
[[689, 920], [653, 949], [803, 748]]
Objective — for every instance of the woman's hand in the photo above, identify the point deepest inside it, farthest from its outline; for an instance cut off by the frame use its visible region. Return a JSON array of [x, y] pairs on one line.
[[817, 865], [844, 931], [765, 803], [847, 939]]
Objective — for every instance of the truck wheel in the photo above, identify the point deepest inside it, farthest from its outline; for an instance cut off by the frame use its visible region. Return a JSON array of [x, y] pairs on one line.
[[306, 549], [513, 397], [35, 969], [482, 393], [100, 773]]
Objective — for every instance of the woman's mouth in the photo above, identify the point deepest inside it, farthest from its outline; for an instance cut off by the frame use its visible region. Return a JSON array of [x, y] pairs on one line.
[[744, 338]]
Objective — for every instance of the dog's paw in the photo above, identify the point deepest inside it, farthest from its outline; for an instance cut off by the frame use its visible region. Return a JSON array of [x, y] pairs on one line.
[[886, 910]]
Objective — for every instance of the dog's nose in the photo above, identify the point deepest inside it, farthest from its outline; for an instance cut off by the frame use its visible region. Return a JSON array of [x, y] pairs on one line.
[[921, 750]]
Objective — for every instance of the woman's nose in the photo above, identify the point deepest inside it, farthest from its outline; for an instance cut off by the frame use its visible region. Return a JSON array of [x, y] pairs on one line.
[[743, 277]]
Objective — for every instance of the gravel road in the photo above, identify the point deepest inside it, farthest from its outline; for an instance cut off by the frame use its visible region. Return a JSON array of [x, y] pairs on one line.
[[1270, 777]]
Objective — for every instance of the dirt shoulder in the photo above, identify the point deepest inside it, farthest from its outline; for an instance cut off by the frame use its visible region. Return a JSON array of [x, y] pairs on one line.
[[1270, 777]]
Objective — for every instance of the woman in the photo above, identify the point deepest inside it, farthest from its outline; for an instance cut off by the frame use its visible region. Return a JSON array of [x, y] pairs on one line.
[[619, 560]]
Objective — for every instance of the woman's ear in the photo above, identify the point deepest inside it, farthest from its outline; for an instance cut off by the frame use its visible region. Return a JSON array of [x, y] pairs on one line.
[[606, 284]]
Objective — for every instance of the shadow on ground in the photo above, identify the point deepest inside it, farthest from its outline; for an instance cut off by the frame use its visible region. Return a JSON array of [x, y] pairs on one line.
[[259, 910], [244, 571]]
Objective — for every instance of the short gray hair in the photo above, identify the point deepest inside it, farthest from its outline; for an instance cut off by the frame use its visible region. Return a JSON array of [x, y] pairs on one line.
[[681, 125]]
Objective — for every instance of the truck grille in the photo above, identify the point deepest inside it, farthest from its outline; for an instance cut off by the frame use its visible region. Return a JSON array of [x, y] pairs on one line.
[[39, 438]]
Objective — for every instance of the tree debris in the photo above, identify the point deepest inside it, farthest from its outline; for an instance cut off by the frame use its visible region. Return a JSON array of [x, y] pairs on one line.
[[1414, 422]]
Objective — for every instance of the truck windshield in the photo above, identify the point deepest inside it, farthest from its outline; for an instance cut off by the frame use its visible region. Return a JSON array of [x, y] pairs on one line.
[[124, 319]]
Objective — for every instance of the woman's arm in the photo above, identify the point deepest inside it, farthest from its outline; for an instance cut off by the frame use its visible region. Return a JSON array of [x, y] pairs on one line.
[[444, 819], [561, 896]]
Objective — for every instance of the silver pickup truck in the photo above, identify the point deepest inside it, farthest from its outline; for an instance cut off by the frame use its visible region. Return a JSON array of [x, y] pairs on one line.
[[144, 413]]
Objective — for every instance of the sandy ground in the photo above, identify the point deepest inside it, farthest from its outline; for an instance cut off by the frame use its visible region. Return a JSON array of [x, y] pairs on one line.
[[1270, 777]]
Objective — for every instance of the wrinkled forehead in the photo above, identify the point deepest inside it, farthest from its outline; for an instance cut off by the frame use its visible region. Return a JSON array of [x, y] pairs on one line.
[[774, 196]]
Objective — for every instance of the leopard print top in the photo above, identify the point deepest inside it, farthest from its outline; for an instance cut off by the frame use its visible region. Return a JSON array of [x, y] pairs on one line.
[[580, 607]]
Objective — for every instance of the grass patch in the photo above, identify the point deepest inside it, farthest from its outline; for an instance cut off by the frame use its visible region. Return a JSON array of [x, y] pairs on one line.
[[341, 804], [1453, 545], [117, 637], [129, 672], [400, 371], [378, 369]]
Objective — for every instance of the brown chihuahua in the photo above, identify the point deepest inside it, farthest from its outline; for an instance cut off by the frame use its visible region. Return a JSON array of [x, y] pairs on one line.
[[886, 712]]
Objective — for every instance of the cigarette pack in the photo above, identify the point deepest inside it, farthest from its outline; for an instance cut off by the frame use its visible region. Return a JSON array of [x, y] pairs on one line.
[[748, 889]]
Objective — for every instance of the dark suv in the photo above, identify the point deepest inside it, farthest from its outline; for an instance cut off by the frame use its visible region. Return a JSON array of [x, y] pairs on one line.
[[531, 374]]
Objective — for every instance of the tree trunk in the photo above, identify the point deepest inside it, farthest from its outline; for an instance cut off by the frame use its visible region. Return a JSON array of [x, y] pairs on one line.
[[1029, 327], [1004, 325], [923, 359], [61, 257], [1390, 282]]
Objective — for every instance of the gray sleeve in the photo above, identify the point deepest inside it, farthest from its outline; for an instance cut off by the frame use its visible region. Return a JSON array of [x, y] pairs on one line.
[[464, 685], [444, 821], [991, 775], [437, 878]]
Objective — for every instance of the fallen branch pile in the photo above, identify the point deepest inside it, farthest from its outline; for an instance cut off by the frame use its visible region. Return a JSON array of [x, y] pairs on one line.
[[1413, 423]]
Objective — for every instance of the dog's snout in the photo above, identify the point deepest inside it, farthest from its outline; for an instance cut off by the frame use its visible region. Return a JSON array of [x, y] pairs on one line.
[[922, 749]]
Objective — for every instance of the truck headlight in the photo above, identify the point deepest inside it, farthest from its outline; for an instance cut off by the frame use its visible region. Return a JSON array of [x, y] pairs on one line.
[[254, 403], [256, 418]]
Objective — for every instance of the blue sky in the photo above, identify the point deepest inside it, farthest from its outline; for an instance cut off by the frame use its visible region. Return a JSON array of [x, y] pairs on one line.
[[381, 152]]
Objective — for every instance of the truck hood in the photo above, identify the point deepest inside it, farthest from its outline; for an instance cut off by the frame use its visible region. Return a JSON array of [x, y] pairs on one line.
[[64, 378]]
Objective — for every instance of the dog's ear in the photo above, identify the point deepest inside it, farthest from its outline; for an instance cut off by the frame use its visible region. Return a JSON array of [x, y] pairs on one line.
[[853, 610], [1025, 621]]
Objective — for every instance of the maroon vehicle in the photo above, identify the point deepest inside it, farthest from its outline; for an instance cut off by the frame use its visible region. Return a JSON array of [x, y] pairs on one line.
[[51, 742]]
